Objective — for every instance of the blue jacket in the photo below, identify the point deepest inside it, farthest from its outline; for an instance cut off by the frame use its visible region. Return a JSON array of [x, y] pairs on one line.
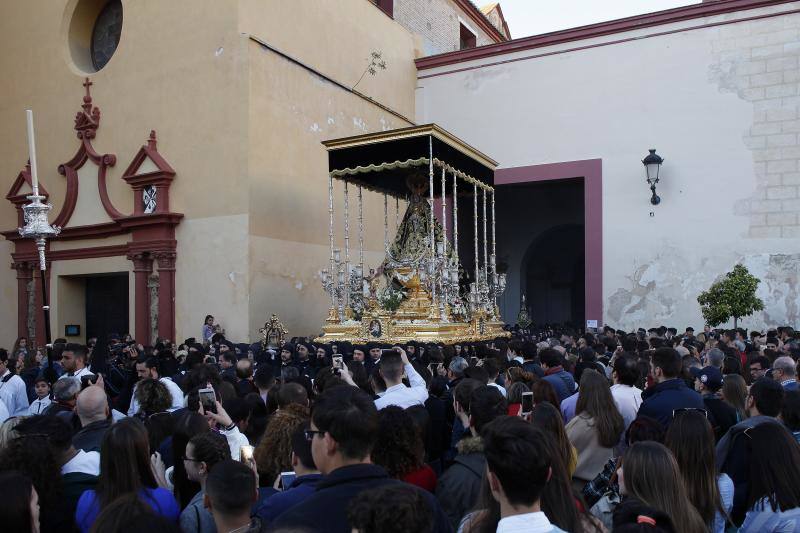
[[326, 509], [661, 400], [300, 489], [563, 382]]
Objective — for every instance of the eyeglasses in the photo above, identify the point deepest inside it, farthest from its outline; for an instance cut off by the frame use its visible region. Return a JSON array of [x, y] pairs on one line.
[[184, 458], [309, 434], [689, 409]]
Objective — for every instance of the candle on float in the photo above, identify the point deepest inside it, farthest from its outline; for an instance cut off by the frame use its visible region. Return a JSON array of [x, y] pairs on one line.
[[32, 153]]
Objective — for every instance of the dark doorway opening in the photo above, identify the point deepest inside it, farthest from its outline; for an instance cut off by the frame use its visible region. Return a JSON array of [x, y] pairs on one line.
[[107, 305], [541, 246]]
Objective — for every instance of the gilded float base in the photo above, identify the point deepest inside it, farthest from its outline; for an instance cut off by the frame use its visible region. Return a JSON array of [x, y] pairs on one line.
[[385, 329]]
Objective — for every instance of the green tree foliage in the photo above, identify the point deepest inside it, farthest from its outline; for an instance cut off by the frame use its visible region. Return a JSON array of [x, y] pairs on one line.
[[732, 296]]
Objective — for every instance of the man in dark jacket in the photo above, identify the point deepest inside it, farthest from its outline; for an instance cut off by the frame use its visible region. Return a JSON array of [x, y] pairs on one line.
[[92, 410], [733, 451], [460, 486], [303, 486], [344, 428], [561, 380], [670, 392], [721, 414]]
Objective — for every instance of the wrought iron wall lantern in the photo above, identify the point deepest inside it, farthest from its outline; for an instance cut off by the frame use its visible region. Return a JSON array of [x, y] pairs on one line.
[[652, 164]]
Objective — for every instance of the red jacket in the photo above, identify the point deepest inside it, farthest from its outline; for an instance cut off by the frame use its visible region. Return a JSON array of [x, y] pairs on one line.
[[424, 478]]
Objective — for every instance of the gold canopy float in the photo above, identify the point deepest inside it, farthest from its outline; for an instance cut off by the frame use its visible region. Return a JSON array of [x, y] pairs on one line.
[[420, 291]]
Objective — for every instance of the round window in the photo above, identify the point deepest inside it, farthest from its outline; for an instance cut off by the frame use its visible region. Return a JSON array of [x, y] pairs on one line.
[[94, 30], [106, 32]]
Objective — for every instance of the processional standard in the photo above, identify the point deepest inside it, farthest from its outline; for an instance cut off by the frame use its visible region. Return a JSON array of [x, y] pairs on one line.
[[420, 291]]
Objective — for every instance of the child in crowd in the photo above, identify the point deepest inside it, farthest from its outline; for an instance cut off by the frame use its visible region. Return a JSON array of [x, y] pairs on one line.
[[42, 389]]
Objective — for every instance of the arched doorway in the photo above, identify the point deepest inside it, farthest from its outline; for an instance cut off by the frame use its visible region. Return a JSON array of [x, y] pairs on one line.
[[552, 274]]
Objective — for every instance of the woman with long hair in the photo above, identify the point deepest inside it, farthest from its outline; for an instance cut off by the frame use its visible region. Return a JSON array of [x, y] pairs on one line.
[[154, 401], [20, 348], [400, 449], [274, 452], [548, 418], [596, 427], [125, 468], [734, 392], [32, 457], [20, 503], [31, 369], [543, 391], [773, 498], [187, 426], [690, 438], [650, 474]]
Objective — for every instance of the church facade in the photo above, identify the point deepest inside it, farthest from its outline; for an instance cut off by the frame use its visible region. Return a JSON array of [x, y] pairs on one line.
[[180, 144]]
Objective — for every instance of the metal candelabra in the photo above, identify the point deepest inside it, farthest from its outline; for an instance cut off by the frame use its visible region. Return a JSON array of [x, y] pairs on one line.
[[37, 227]]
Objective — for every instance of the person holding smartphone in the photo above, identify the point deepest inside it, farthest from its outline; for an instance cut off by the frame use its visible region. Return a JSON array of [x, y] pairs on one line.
[[304, 484], [393, 364]]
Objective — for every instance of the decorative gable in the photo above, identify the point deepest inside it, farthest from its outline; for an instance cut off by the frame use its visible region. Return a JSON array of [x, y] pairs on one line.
[[150, 176]]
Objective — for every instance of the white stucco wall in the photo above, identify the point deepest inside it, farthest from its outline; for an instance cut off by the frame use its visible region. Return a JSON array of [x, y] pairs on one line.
[[719, 103]]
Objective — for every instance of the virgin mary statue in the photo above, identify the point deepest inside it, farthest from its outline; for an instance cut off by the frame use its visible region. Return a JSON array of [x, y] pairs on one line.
[[411, 247]]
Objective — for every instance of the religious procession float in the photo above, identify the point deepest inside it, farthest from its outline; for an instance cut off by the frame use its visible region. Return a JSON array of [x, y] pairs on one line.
[[421, 291]]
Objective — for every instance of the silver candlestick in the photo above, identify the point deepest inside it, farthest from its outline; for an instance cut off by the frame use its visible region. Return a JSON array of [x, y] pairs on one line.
[[37, 227]]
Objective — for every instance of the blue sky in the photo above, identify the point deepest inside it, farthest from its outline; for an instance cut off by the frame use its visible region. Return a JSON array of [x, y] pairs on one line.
[[532, 17]]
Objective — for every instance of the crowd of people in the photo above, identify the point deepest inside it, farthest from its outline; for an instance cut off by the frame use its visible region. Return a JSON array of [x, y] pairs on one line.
[[549, 430]]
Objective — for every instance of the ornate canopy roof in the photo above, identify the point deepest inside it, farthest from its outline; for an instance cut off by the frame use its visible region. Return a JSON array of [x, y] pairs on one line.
[[382, 161]]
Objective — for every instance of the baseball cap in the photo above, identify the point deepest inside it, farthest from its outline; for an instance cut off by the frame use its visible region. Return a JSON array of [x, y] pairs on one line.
[[709, 376]]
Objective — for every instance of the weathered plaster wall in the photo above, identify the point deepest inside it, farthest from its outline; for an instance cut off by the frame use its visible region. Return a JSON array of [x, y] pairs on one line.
[[291, 111], [726, 197]]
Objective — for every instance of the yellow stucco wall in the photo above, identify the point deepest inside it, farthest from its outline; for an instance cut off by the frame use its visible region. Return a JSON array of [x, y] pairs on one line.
[[291, 112], [235, 121]]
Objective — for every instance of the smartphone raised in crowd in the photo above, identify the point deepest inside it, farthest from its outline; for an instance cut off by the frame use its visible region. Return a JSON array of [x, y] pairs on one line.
[[208, 399], [287, 478], [527, 403], [338, 362]]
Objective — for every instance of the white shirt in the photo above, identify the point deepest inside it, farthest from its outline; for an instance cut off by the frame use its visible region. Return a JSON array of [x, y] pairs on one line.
[[84, 463], [628, 400], [527, 523], [14, 395], [174, 391], [3, 412], [79, 374], [498, 387], [39, 405], [235, 442], [403, 396]]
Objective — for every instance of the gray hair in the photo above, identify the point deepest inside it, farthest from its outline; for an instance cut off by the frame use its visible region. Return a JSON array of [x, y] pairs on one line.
[[65, 389], [457, 366], [786, 365], [715, 357]]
